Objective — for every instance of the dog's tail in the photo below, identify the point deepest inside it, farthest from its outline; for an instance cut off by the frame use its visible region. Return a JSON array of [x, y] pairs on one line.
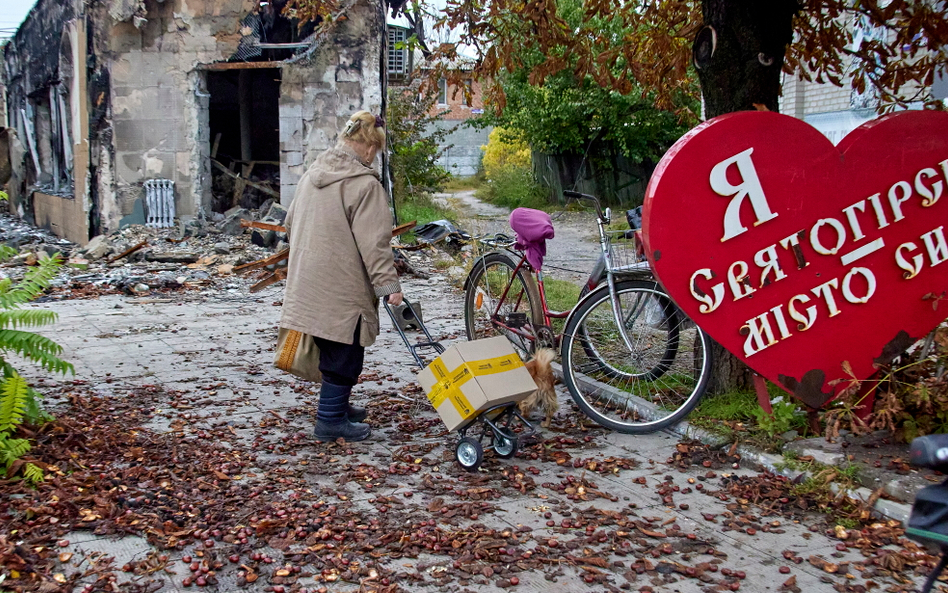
[[544, 356]]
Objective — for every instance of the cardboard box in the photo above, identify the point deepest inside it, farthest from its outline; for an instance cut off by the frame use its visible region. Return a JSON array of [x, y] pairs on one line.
[[473, 376]]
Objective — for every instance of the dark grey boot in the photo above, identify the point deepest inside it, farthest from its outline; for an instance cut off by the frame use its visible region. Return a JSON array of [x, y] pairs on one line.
[[356, 414], [331, 420]]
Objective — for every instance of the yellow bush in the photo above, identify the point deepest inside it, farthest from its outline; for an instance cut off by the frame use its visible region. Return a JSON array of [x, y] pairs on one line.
[[504, 150]]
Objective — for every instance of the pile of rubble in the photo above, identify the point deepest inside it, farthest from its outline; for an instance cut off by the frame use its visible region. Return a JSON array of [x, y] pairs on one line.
[[139, 260]]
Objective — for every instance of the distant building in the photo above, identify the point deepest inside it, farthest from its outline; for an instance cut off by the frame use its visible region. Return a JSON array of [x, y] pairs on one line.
[[835, 110], [462, 155], [105, 95]]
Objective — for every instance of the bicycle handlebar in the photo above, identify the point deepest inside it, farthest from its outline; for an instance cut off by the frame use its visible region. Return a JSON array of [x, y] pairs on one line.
[[575, 195]]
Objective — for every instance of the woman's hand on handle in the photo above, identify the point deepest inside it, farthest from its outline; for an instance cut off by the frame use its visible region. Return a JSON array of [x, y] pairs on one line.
[[395, 299]]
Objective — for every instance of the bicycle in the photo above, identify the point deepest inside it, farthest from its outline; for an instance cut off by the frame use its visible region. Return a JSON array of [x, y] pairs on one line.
[[631, 359], [928, 523]]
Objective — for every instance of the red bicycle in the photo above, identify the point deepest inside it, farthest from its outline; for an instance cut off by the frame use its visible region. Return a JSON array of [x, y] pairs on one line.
[[631, 359]]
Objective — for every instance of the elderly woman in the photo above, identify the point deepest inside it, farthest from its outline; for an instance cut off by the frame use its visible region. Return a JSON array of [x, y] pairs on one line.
[[341, 263]]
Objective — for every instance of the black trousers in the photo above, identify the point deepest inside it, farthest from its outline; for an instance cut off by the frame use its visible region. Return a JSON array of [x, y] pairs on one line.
[[341, 364]]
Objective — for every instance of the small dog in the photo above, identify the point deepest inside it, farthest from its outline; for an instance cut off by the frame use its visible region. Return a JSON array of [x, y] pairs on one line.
[[545, 395]]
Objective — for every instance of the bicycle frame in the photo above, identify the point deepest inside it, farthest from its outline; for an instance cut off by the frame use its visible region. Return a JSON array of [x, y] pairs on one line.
[[548, 314], [605, 267]]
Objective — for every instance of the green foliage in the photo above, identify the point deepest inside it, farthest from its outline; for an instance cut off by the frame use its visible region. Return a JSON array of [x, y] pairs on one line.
[[3, 196], [786, 416], [566, 114], [415, 141], [733, 406], [18, 402], [463, 183], [507, 166], [14, 396], [514, 187], [911, 398], [422, 209]]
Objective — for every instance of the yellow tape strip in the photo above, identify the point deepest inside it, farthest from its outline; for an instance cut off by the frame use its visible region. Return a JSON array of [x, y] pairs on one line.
[[449, 384], [490, 366]]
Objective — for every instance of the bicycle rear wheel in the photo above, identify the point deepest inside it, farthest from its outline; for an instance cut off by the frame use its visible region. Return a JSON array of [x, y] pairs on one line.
[[647, 389], [500, 302]]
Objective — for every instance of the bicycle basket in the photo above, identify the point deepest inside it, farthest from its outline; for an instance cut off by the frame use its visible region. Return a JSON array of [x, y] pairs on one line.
[[627, 253]]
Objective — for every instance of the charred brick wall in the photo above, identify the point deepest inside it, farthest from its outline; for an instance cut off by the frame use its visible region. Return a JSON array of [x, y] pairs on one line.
[[144, 109]]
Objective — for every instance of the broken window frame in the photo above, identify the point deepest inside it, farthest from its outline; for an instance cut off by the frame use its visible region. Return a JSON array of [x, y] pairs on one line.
[[397, 57], [443, 91]]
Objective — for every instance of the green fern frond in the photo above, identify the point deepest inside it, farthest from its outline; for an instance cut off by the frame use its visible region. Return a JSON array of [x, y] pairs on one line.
[[32, 473], [34, 282], [6, 252], [35, 414], [8, 370], [13, 396], [26, 318], [12, 449], [36, 348]]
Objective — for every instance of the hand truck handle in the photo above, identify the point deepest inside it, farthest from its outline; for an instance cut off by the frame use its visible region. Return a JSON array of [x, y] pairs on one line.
[[412, 348]]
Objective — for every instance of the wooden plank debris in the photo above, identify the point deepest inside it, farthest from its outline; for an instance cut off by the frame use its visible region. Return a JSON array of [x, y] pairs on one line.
[[127, 252], [261, 187]]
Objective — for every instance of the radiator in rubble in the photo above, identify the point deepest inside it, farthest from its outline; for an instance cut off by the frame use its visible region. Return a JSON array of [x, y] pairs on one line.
[[159, 203]]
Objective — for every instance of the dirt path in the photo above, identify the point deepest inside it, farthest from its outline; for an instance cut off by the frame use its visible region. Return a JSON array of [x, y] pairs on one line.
[[570, 255]]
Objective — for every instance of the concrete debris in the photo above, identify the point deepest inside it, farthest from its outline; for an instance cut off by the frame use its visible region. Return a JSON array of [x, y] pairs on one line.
[[197, 256], [21, 236], [276, 214], [97, 248], [231, 223]]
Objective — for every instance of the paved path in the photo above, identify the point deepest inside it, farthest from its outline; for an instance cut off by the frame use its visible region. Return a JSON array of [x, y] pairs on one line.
[[571, 254], [657, 526]]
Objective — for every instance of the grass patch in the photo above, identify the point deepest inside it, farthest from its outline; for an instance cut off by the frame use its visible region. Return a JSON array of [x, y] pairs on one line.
[[444, 264], [514, 187], [734, 406], [424, 210], [561, 295], [463, 183], [736, 415]]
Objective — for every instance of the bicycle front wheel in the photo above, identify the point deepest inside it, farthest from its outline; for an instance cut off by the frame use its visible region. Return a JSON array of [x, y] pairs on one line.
[[500, 300], [653, 385]]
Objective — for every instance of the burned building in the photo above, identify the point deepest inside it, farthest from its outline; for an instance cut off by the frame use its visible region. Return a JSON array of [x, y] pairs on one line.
[[119, 108]]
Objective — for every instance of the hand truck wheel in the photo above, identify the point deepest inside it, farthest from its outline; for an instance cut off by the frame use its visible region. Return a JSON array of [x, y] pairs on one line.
[[505, 446], [469, 453]]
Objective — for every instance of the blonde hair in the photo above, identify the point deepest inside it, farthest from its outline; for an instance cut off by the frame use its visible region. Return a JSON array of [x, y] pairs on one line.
[[363, 128]]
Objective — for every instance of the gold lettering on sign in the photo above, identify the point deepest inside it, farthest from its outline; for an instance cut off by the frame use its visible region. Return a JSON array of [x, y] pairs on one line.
[[870, 279], [844, 237], [739, 281], [936, 246], [815, 236], [749, 187], [911, 268], [930, 196], [708, 303], [805, 323], [896, 202]]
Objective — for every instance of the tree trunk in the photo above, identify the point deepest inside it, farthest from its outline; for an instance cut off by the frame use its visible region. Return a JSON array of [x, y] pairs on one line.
[[739, 56]]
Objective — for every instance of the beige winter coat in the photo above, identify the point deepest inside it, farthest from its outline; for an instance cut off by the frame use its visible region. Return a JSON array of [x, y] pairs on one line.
[[340, 262]]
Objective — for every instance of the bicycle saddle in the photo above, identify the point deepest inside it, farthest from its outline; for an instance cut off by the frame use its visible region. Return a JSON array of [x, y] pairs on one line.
[[533, 228]]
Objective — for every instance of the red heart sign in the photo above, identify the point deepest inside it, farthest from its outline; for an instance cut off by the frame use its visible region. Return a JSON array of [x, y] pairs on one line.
[[799, 256]]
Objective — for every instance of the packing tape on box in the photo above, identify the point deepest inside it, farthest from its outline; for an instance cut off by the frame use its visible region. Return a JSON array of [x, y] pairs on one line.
[[449, 384]]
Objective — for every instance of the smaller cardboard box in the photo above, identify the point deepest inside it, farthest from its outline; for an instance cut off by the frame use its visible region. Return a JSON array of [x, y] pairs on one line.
[[473, 376]]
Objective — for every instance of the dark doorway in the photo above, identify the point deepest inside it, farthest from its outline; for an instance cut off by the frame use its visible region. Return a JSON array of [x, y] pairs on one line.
[[245, 137]]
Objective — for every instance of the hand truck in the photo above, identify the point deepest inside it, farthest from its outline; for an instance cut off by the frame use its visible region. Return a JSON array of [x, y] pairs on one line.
[[496, 426]]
